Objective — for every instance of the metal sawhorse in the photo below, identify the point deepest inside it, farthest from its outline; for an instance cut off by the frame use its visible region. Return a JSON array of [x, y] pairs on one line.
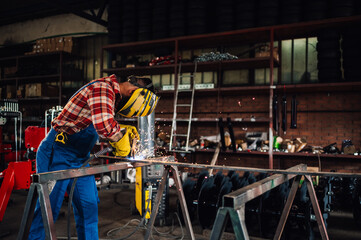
[[39, 190]]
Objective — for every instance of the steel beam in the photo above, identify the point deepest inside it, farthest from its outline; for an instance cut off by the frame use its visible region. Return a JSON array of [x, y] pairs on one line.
[[182, 201], [94, 18], [287, 208], [316, 208], [86, 171], [235, 168], [28, 213], [46, 212], [238, 198]]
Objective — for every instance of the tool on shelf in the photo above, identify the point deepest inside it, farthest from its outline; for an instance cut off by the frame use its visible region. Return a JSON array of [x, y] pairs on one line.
[[174, 134], [284, 114], [294, 104]]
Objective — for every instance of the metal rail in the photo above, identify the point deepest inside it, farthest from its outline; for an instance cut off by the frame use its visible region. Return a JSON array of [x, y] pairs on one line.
[[80, 172], [239, 197], [235, 168]]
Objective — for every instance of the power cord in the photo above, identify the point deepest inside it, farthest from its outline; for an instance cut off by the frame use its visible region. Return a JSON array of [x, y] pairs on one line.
[[167, 234], [109, 233]]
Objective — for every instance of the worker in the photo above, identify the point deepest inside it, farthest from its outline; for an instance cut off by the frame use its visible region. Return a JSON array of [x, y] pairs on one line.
[[89, 113]]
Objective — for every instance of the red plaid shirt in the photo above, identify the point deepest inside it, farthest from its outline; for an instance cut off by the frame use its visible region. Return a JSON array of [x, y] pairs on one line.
[[92, 104]]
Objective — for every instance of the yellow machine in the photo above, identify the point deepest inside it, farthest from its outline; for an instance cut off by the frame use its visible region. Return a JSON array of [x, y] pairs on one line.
[[147, 180]]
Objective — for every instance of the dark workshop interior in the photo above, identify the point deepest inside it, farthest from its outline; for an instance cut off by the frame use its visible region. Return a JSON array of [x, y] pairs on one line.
[[256, 133]]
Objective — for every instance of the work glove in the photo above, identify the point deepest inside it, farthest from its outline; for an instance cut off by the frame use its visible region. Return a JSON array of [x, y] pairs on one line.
[[123, 146]]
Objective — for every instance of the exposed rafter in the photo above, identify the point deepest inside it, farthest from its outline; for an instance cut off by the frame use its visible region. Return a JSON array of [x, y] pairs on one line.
[[22, 10], [97, 18]]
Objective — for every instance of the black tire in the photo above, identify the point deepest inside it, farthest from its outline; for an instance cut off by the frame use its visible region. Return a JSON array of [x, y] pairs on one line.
[[328, 36], [342, 12], [207, 201], [351, 63], [331, 75], [329, 63], [329, 55], [325, 45], [352, 54], [245, 24], [268, 3]]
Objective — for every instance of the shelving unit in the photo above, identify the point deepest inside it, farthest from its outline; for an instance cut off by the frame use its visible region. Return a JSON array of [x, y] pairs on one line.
[[48, 75], [270, 34]]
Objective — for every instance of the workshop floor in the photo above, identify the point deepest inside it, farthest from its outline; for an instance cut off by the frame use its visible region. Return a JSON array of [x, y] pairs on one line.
[[115, 212]]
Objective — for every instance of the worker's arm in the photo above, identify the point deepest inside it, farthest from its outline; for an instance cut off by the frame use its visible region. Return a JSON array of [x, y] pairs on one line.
[[101, 101]]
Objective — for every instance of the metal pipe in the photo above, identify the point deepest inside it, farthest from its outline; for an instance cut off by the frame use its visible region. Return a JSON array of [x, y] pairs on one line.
[[146, 129], [21, 126], [46, 122], [270, 137], [16, 138]]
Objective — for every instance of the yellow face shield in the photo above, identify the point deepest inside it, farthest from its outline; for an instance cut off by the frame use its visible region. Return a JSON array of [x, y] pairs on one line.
[[140, 104]]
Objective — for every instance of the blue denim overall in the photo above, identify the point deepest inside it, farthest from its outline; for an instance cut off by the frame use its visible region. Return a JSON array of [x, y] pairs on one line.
[[53, 156]]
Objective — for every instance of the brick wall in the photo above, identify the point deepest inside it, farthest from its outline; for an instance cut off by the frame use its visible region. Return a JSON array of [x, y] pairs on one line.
[[323, 118]]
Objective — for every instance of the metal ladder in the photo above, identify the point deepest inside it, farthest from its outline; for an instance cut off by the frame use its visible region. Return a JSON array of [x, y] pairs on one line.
[[174, 134]]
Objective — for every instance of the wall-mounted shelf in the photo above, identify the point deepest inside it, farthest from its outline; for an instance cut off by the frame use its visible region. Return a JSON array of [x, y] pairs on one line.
[[283, 154], [320, 87], [204, 120], [245, 63], [30, 79]]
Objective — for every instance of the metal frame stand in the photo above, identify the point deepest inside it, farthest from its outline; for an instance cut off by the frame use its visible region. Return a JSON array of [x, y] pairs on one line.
[[315, 206], [36, 191], [39, 190], [235, 202]]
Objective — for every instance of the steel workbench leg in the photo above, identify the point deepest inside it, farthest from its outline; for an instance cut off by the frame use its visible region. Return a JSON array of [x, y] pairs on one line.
[[316, 208], [238, 223], [182, 201], [46, 211], [28, 212], [36, 191], [287, 207], [219, 223]]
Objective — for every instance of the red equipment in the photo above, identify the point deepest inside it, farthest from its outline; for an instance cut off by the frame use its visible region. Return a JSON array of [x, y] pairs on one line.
[[33, 137], [18, 174]]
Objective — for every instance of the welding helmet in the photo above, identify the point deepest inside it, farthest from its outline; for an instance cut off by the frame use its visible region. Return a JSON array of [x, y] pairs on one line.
[[141, 103]]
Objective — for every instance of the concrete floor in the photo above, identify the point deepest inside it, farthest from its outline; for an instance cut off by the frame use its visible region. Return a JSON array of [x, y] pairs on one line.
[[115, 212]]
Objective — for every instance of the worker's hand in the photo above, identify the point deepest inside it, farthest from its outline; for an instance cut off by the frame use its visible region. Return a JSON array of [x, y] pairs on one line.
[[123, 146], [131, 130]]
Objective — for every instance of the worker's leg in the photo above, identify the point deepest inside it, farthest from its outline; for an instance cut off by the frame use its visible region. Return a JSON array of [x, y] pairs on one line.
[[85, 204], [56, 199]]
